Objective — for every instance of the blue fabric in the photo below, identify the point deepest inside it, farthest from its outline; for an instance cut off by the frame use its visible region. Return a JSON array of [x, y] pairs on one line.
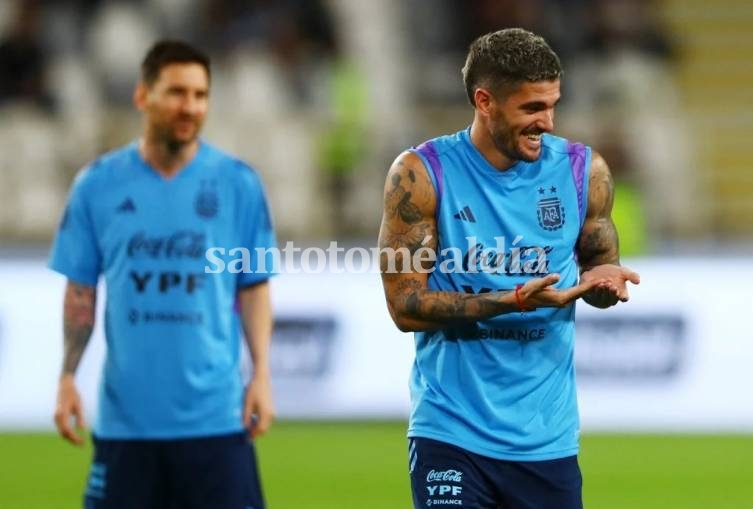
[[502, 387], [173, 341], [443, 475], [197, 473]]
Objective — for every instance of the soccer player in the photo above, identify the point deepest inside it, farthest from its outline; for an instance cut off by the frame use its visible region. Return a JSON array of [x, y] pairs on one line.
[[173, 427], [519, 221]]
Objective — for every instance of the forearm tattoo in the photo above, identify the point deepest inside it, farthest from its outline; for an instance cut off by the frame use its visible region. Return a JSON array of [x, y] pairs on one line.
[[407, 226], [447, 307], [78, 321], [454, 306]]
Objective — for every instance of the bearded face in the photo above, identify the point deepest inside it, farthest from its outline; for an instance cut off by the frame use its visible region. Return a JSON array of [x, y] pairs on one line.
[[175, 105], [517, 121]]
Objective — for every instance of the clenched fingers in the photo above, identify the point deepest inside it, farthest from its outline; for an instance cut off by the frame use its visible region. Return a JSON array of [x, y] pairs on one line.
[[263, 421], [257, 420], [63, 417]]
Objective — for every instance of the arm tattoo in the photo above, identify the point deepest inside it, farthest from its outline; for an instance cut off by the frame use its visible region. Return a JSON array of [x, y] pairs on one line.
[[400, 199], [408, 225], [598, 243], [405, 225], [451, 307], [448, 307], [78, 321], [412, 239]]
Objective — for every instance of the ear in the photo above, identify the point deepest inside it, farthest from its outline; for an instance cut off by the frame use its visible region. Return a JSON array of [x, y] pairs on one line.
[[483, 99], [139, 95]]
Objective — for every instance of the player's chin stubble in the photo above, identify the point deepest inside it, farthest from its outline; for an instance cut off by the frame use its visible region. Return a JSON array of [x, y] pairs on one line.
[[505, 143], [175, 144]]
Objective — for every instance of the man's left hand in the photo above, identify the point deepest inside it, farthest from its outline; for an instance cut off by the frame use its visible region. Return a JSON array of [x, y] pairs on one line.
[[612, 291], [258, 410]]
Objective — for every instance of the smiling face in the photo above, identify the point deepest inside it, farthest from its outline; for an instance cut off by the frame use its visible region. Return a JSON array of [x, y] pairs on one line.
[[516, 120], [175, 104], [512, 78]]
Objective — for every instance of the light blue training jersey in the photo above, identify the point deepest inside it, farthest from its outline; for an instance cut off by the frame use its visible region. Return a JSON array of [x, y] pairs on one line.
[[172, 332], [502, 387]]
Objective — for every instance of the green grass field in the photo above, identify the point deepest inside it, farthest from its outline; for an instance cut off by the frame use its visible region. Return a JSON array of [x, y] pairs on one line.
[[363, 465]]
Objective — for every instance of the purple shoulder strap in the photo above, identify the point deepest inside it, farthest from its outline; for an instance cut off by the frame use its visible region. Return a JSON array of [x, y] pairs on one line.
[[577, 153], [429, 153]]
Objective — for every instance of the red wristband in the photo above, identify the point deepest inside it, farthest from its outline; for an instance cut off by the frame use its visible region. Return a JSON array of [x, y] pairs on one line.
[[519, 300]]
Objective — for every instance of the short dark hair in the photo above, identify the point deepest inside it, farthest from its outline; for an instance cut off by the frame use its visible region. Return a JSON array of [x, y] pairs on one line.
[[167, 52], [506, 58]]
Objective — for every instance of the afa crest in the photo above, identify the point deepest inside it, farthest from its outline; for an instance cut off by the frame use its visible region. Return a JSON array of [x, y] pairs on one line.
[[207, 202], [550, 213]]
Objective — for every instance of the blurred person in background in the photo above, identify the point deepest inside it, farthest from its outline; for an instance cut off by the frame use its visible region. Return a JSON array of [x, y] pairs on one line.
[[343, 141], [23, 62], [626, 56], [494, 419], [299, 35], [173, 428], [628, 212]]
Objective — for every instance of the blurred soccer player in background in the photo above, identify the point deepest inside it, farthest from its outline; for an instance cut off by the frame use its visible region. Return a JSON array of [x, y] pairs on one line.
[[173, 427], [494, 419]]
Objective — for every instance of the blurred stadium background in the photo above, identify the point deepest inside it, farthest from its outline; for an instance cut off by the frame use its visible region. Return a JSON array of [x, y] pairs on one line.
[[320, 96]]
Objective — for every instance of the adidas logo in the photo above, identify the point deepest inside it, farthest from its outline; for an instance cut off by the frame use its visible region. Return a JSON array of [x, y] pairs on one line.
[[126, 206], [466, 215]]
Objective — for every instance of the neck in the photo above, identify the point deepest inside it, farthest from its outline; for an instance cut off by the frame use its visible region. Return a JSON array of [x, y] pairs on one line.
[[482, 140], [165, 157]]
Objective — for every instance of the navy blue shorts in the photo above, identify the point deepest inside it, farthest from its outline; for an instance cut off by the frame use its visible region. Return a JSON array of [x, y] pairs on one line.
[[217, 472], [443, 475]]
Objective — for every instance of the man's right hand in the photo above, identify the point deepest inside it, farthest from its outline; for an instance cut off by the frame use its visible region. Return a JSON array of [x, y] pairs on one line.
[[68, 410], [539, 293]]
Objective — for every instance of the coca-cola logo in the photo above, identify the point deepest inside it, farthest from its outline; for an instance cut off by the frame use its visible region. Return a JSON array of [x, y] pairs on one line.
[[180, 244], [445, 476], [517, 260]]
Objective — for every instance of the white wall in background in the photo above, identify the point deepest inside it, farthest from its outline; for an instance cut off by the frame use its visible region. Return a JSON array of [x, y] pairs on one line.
[[677, 357]]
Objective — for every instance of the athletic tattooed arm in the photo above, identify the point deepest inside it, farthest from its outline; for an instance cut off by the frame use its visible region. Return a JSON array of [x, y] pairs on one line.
[[598, 245], [409, 224], [79, 305]]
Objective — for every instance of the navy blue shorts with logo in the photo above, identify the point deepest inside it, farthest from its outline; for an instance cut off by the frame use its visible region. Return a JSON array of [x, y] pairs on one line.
[[443, 475], [217, 472]]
